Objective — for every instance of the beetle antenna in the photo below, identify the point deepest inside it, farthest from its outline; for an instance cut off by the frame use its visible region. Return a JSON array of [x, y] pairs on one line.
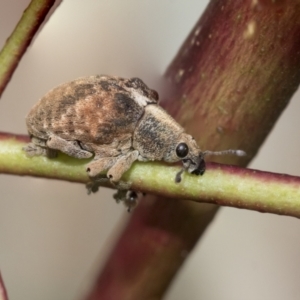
[[225, 152]]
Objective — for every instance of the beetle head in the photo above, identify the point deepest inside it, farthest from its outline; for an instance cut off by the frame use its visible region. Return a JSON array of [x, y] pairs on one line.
[[187, 150], [192, 157]]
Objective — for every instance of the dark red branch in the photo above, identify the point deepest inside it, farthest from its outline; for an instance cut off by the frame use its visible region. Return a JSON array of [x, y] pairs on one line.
[[3, 292], [230, 81]]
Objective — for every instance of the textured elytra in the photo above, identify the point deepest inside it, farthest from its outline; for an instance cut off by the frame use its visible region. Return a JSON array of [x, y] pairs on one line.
[[93, 110], [116, 120]]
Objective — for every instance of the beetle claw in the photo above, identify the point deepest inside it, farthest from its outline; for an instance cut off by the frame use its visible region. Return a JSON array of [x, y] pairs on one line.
[[94, 185], [129, 198]]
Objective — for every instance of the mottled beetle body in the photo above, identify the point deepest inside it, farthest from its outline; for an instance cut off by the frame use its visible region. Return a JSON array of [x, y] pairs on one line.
[[117, 121]]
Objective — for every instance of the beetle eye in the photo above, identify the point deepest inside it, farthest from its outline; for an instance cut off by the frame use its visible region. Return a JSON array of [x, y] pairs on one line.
[[182, 150]]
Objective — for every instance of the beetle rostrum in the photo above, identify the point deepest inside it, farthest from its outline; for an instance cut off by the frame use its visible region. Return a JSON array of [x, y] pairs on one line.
[[114, 120]]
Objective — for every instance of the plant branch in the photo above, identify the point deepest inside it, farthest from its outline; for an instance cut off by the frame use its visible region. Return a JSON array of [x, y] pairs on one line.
[[221, 184], [3, 293], [228, 84], [21, 37]]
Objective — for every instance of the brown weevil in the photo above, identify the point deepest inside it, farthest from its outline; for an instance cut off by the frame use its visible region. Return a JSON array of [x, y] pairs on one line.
[[116, 120]]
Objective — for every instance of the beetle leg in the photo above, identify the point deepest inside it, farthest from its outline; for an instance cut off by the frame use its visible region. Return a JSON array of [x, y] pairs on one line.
[[95, 183], [128, 197], [38, 147], [72, 148], [99, 165], [95, 167], [34, 150], [38, 141], [122, 165]]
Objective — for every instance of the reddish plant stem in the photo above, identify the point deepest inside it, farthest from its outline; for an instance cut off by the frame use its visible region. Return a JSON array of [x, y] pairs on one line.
[[19, 137], [3, 293], [230, 81], [236, 73], [16, 45]]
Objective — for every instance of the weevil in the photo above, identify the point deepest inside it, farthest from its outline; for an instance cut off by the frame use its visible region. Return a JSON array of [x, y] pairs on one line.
[[116, 121]]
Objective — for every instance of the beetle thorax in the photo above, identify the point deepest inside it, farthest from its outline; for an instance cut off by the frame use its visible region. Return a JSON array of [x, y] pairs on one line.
[[156, 133]]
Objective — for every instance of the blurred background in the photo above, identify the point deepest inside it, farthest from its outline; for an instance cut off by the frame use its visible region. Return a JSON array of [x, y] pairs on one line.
[[54, 237]]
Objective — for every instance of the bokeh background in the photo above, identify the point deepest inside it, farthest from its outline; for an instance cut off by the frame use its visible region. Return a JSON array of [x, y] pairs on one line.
[[54, 237]]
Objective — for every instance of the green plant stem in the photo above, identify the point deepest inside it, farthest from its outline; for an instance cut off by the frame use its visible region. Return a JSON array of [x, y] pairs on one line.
[[21, 37], [221, 184]]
